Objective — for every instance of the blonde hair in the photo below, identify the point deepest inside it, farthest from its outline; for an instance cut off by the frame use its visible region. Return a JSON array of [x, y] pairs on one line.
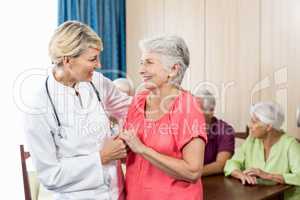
[[70, 39]]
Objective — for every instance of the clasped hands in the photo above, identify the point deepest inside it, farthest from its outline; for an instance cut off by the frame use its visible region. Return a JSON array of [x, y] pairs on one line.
[[117, 147]]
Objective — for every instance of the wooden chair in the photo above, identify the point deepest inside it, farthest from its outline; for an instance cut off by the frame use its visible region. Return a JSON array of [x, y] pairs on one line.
[[24, 156], [242, 135]]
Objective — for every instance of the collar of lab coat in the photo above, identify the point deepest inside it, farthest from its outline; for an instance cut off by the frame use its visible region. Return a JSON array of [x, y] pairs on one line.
[[64, 95], [59, 88]]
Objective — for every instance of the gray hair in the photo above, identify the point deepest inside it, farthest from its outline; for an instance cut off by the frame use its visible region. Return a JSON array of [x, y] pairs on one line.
[[172, 50], [208, 99], [124, 85], [268, 113], [70, 39]]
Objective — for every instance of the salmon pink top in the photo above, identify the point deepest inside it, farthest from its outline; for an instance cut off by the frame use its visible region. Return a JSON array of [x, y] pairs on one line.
[[167, 135]]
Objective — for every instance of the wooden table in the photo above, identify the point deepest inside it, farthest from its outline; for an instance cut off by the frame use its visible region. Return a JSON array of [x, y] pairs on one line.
[[225, 188]]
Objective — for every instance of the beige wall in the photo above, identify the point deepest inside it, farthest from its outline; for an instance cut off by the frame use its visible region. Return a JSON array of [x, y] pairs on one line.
[[246, 50]]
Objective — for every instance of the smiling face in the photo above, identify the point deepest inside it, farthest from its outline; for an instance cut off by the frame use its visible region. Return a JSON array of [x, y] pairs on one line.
[[153, 72], [81, 68]]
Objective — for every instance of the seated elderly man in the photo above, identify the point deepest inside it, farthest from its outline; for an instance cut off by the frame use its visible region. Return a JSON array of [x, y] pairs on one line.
[[269, 155], [220, 145]]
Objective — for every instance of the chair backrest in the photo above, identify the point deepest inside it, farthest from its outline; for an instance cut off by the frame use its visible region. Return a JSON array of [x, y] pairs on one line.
[[242, 135], [24, 156]]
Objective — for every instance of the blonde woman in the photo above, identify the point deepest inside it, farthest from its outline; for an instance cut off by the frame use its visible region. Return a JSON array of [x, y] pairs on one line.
[[70, 140]]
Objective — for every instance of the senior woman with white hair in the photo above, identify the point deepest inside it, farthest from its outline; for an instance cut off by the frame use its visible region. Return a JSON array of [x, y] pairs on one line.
[[165, 128], [70, 139], [220, 135], [268, 155]]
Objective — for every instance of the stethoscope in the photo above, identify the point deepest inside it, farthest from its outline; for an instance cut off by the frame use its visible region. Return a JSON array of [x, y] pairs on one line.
[[107, 179], [55, 112]]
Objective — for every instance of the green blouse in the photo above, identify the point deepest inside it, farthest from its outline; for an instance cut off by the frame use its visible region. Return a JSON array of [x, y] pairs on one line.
[[284, 159]]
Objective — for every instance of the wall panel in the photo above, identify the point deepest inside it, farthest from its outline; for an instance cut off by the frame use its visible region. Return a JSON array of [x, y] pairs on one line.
[[246, 50], [144, 18], [232, 56], [187, 20]]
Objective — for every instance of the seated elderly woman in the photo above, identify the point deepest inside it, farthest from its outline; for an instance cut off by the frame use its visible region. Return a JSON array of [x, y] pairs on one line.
[[268, 155], [220, 135], [164, 128]]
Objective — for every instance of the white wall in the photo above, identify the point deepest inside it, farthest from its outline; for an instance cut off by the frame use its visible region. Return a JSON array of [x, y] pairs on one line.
[[246, 50], [25, 30]]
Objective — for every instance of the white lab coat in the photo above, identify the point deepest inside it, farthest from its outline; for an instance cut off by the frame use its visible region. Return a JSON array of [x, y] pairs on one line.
[[67, 160]]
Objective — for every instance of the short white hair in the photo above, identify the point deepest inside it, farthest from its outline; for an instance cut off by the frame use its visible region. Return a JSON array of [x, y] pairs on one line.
[[172, 50], [124, 85], [208, 99], [268, 113]]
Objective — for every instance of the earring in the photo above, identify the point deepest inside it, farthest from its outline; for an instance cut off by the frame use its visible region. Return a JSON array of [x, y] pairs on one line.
[[168, 78]]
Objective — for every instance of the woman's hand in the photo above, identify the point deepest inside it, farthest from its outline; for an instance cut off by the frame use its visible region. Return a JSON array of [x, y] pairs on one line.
[[245, 179], [133, 141], [256, 172], [113, 149], [277, 178]]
